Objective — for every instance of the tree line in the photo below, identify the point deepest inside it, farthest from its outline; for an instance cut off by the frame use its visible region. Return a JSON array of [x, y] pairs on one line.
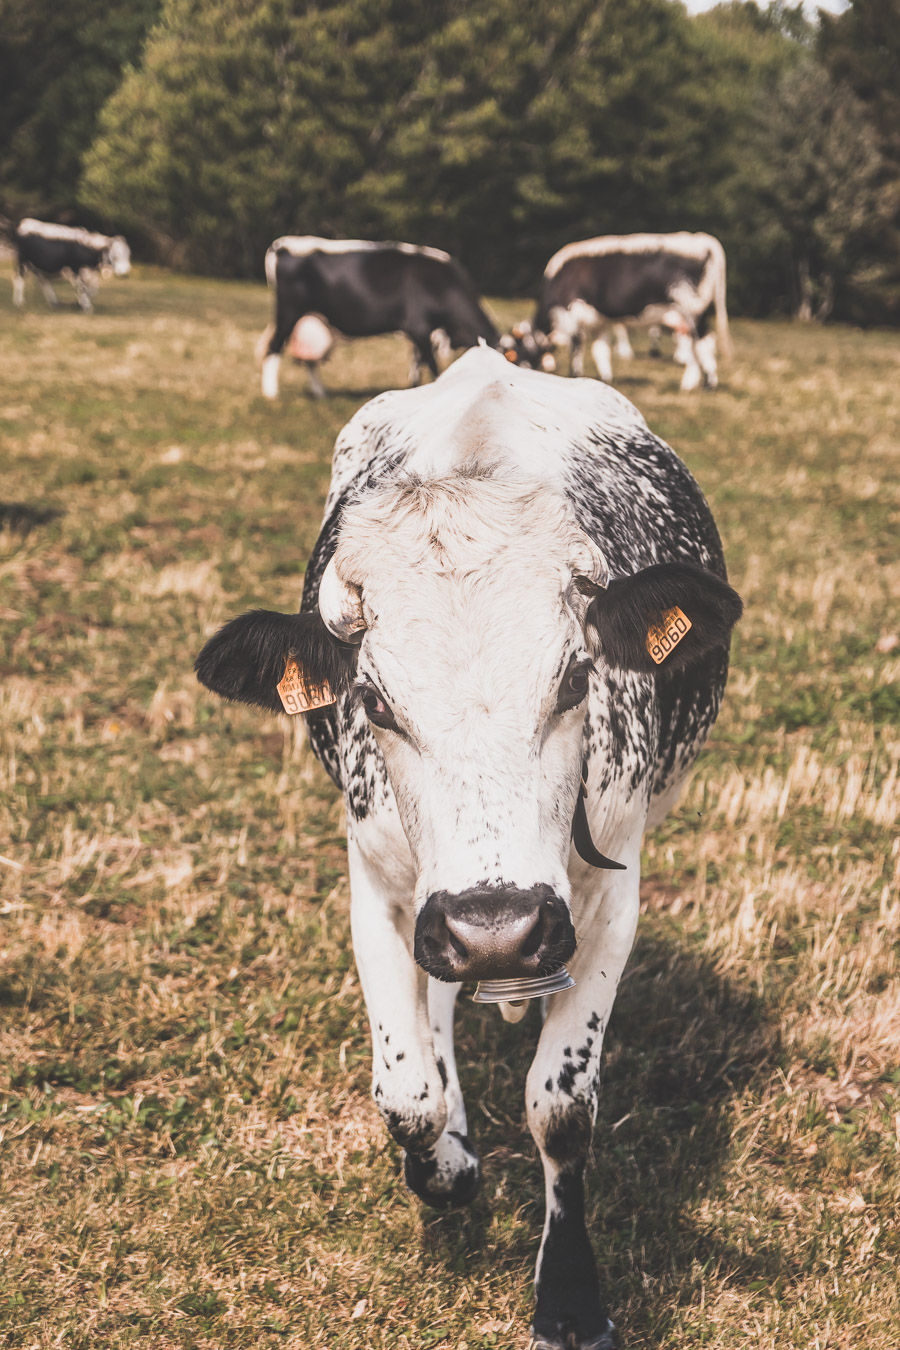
[[204, 128]]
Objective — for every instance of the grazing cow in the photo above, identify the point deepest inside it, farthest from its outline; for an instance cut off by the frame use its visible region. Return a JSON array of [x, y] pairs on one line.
[[362, 289], [671, 281], [504, 563], [79, 255]]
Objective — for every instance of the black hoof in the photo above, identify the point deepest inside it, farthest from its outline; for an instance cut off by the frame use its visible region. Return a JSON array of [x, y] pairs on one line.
[[442, 1181], [569, 1340]]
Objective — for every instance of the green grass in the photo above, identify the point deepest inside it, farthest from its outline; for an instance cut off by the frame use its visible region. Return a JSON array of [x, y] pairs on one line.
[[189, 1154]]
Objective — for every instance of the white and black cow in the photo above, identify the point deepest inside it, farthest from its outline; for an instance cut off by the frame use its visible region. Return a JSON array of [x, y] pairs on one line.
[[496, 548], [362, 289], [81, 256], [674, 281]]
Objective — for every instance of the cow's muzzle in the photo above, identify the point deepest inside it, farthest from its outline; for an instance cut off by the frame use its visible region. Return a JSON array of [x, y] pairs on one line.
[[494, 933]]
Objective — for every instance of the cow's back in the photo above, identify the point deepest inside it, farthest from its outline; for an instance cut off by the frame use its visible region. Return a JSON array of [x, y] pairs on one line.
[[617, 285]]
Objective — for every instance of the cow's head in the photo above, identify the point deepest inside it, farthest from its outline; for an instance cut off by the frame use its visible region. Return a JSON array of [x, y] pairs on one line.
[[117, 257], [525, 346], [465, 619]]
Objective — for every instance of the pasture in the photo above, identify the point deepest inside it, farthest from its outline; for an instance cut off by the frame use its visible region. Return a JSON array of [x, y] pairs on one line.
[[189, 1153]]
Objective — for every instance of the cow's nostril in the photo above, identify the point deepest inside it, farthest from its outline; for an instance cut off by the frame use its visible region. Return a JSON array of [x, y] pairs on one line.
[[434, 946], [557, 933], [459, 947], [534, 938]]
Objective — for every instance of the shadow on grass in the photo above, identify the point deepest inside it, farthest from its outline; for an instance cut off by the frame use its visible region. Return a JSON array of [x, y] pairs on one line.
[[683, 1043], [22, 517], [631, 382], [344, 391]]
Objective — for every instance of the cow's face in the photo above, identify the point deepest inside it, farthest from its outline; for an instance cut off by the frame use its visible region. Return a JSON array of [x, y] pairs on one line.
[[118, 257], [524, 346], [463, 621], [473, 671]]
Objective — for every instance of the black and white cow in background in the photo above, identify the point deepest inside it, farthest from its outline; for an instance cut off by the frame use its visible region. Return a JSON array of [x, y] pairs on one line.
[[496, 547], [674, 281], [81, 256], [362, 289]]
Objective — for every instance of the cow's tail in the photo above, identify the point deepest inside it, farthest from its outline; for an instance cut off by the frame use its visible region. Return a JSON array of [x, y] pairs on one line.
[[715, 270]]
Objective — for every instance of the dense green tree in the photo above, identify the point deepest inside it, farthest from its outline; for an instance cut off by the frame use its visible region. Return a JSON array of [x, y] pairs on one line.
[[861, 49], [498, 132], [59, 64], [542, 124], [248, 118], [817, 194]]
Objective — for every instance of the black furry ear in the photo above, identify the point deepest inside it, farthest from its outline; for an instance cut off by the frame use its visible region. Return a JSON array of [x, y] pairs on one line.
[[246, 659], [624, 614]]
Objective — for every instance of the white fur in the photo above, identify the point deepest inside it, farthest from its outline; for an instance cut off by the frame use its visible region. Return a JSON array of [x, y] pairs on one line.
[[440, 345], [706, 359], [483, 406], [624, 349], [301, 245], [600, 351], [270, 367], [683, 242], [45, 230], [683, 348]]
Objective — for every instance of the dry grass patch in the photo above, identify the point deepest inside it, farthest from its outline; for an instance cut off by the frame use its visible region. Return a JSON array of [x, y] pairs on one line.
[[189, 1153]]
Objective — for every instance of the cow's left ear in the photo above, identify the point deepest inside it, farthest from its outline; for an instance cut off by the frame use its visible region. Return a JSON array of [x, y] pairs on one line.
[[664, 618]]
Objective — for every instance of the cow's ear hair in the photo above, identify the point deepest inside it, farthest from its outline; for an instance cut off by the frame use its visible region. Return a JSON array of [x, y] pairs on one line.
[[246, 659], [630, 607]]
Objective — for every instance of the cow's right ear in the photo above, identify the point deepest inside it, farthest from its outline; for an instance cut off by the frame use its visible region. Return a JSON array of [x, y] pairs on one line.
[[246, 660]]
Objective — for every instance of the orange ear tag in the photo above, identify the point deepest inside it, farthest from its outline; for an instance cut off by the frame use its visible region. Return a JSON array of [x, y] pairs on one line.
[[297, 695], [664, 638]]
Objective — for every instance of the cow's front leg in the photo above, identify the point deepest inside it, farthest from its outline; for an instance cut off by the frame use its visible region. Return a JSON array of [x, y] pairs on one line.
[[706, 359], [449, 1174], [562, 1105], [316, 387], [693, 371], [423, 359], [406, 1081], [47, 290], [84, 292], [602, 354]]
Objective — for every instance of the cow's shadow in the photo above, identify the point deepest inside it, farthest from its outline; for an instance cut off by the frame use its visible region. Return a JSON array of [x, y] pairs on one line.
[[682, 1043], [23, 517]]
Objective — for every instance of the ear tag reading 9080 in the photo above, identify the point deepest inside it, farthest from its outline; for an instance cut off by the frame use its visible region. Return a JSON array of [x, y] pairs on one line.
[[299, 696], [663, 638]]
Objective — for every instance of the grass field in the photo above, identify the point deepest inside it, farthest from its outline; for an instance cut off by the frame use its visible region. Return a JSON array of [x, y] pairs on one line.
[[189, 1153]]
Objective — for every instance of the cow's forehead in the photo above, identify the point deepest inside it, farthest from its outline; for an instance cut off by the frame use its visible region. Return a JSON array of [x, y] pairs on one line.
[[461, 587], [460, 526]]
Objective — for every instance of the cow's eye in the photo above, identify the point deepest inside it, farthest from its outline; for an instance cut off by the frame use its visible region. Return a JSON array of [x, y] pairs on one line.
[[575, 685], [375, 708]]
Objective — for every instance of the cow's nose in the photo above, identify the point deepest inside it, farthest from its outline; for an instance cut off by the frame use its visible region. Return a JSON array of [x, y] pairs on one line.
[[493, 933]]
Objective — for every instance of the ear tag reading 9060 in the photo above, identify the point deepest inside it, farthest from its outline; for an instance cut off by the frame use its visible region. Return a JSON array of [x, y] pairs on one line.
[[299, 696], [662, 639]]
